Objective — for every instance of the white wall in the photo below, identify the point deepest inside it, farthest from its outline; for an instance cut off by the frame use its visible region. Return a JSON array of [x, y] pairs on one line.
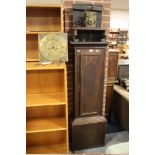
[[43, 2], [119, 18]]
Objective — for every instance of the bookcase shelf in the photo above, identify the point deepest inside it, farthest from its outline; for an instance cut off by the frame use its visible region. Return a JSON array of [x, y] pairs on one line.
[[56, 149], [45, 111], [38, 142], [37, 66], [45, 99], [45, 124], [39, 32], [44, 18], [46, 86]]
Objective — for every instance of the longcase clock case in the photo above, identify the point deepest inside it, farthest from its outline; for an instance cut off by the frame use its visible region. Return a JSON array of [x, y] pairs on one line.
[[89, 124], [89, 70]]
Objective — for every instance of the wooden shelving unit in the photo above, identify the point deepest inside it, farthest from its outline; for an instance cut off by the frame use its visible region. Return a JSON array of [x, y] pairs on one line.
[[41, 19], [113, 38], [46, 86], [118, 37], [122, 37]]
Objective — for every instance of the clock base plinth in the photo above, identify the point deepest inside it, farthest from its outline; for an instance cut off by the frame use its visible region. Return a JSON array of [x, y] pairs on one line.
[[88, 132]]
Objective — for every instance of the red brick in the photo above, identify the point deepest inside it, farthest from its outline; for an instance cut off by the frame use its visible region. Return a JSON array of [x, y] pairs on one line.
[[68, 17], [68, 4], [68, 24], [106, 1], [106, 5], [106, 12], [105, 25], [106, 18], [68, 11]]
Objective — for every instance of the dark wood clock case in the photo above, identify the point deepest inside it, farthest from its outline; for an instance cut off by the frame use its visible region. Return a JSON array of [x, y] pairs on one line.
[[90, 46], [89, 81], [79, 14]]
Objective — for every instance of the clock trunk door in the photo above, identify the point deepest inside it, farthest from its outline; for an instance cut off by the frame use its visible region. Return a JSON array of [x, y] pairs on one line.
[[90, 81]]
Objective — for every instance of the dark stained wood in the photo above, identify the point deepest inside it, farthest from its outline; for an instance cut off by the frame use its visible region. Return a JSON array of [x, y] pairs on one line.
[[111, 79], [89, 126], [79, 16], [121, 110], [89, 28], [89, 71], [109, 95], [88, 132], [112, 66], [89, 36]]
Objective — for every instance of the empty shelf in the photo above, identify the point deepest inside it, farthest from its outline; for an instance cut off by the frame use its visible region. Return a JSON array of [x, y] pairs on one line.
[[34, 125], [45, 99], [52, 149]]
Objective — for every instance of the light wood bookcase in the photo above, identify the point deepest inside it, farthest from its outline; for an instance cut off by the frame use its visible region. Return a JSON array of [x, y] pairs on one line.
[[46, 87], [41, 19]]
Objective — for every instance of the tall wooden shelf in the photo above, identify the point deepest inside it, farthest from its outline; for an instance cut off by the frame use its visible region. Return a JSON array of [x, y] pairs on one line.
[[41, 19], [46, 86]]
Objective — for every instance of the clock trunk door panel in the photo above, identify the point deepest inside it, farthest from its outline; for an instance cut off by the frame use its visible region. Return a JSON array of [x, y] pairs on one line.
[[90, 78]]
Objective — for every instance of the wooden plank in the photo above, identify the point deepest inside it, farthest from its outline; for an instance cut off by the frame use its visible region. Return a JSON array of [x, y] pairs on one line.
[[87, 43], [39, 32], [112, 66], [108, 104], [45, 124], [62, 19], [38, 66], [45, 138], [32, 59], [39, 18], [32, 51], [45, 111], [66, 112], [89, 28], [45, 99], [46, 149], [88, 64], [45, 81]]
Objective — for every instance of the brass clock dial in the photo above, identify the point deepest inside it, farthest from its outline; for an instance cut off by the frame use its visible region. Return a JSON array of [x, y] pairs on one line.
[[90, 18], [53, 47]]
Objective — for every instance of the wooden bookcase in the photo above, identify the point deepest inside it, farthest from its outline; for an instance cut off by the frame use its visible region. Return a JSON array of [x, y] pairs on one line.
[[41, 19], [46, 87]]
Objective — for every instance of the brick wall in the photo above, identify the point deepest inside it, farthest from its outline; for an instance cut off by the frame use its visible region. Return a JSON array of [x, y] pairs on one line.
[[68, 28]]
